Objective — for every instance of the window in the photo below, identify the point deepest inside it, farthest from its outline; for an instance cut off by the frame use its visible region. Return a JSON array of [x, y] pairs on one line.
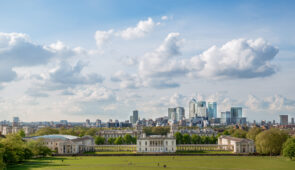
[[145, 143], [166, 142]]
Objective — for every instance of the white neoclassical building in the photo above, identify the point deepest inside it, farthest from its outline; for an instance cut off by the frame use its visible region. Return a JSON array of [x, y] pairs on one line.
[[156, 144], [66, 144], [239, 145]]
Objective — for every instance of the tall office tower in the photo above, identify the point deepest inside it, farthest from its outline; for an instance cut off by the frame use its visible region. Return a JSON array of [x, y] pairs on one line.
[[236, 114], [201, 109], [135, 116], [273, 122], [63, 122], [225, 118], [212, 110], [180, 112], [131, 119], [170, 112], [292, 121], [98, 123], [284, 119], [87, 124], [192, 108], [15, 121]]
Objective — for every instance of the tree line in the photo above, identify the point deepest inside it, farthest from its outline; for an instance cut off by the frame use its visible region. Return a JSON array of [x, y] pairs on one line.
[[194, 139], [127, 139]]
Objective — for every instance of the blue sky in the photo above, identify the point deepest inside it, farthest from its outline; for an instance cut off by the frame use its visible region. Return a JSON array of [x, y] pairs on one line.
[[102, 59]]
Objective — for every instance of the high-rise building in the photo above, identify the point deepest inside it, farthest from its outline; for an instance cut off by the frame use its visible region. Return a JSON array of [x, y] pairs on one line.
[[236, 115], [192, 108], [87, 124], [131, 119], [15, 121], [180, 113], [201, 110], [225, 118], [292, 121], [98, 123], [284, 119], [64, 122], [212, 110], [134, 117], [170, 112]]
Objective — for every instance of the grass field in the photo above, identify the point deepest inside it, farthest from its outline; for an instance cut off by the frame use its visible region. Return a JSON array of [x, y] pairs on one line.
[[149, 162]]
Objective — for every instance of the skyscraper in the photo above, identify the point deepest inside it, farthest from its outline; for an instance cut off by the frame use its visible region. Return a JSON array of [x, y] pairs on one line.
[[192, 108], [212, 110], [170, 112], [15, 121], [201, 110], [292, 121], [236, 114], [98, 123], [135, 116], [87, 124], [225, 117], [284, 119], [180, 112]]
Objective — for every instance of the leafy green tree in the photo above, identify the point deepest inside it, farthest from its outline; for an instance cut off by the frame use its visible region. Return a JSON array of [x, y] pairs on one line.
[[14, 149], [46, 131], [128, 139], [205, 140], [178, 137], [22, 133], [111, 141], [186, 139], [119, 141], [213, 140], [253, 132], [38, 148], [196, 139], [2, 164], [99, 140], [134, 140], [239, 133], [289, 148], [226, 132], [270, 142], [91, 132]]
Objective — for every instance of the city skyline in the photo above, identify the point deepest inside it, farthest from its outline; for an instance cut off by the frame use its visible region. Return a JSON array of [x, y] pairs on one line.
[[101, 60]]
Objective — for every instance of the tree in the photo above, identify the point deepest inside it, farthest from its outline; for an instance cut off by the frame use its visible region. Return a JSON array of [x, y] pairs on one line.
[[21, 133], [289, 148], [239, 133], [128, 139], [213, 140], [196, 139], [253, 132], [205, 140], [38, 148], [91, 132], [186, 139], [99, 140], [2, 164], [178, 137], [270, 141], [46, 131], [119, 141], [111, 141], [14, 149]]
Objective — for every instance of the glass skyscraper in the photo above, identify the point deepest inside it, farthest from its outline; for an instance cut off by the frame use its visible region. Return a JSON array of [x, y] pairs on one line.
[[212, 110]]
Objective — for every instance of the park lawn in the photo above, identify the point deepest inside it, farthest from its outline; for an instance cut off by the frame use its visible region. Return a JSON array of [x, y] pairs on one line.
[[149, 162]]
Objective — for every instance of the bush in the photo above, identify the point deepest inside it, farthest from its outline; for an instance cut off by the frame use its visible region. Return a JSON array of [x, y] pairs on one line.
[[99, 140]]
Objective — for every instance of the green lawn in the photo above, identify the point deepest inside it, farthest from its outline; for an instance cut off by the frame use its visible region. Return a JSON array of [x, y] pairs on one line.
[[149, 162]]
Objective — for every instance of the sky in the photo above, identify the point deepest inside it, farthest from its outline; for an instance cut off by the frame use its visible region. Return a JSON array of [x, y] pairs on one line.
[[79, 60]]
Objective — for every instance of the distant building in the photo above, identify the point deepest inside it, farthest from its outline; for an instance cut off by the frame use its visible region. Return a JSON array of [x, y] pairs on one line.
[[212, 110], [201, 110], [236, 115], [64, 122], [156, 144], [87, 124], [284, 119], [180, 113], [134, 117], [170, 112], [192, 108], [66, 144], [15, 121], [240, 145], [292, 121], [225, 118], [98, 123]]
